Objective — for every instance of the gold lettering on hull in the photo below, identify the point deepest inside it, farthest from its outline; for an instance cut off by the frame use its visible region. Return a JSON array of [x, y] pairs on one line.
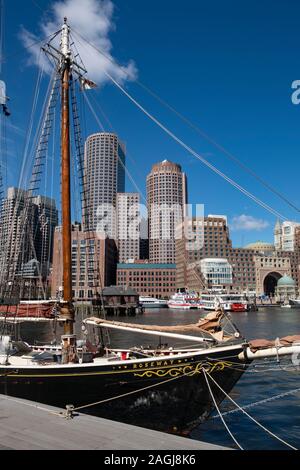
[[188, 370]]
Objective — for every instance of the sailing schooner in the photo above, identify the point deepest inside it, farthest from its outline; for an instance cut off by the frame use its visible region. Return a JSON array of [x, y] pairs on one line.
[[162, 388]]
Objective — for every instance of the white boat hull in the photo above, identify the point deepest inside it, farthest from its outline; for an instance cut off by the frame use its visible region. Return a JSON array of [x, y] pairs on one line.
[[179, 306]]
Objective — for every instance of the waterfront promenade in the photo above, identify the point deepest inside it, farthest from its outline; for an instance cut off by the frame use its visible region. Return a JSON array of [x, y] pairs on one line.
[[25, 425]]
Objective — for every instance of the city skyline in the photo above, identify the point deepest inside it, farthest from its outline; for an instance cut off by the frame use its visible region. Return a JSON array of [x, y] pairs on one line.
[[266, 141]]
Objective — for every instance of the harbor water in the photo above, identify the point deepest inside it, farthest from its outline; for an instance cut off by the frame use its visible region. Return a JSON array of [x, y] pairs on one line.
[[264, 380]]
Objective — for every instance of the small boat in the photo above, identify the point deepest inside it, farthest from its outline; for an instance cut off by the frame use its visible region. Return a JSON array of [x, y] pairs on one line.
[[238, 307], [183, 300], [295, 302], [152, 302], [180, 304]]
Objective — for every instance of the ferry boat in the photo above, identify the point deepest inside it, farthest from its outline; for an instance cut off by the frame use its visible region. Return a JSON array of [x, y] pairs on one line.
[[184, 300], [152, 302], [229, 302]]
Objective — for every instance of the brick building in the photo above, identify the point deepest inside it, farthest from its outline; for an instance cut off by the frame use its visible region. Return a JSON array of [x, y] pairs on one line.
[[94, 262], [154, 280], [257, 267]]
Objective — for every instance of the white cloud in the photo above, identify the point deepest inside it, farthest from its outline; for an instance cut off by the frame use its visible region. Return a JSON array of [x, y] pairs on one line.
[[93, 20], [247, 222]]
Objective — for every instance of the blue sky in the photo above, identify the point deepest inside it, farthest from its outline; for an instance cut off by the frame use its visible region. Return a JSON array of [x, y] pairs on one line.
[[226, 66]]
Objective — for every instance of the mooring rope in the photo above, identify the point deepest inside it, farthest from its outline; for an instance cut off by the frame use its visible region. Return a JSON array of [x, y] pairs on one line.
[[128, 393], [249, 416], [32, 405], [218, 410], [261, 402]]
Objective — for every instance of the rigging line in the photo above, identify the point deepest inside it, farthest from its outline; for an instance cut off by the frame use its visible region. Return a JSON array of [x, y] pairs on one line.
[[129, 393], [218, 409], [111, 126], [96, 104], [35, 43], [26, 213], [38, 6], [126, 170], [124, 166], [261, 402], [96, 278], [51, 233], [30, 123], [249, 416], [202, 159], [220, 147], [195, 127], [195, 154], [9, 249]]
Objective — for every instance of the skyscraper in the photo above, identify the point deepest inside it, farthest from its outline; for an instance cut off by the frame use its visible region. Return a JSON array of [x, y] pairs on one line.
[[11, 233], [104, 178], [166, 198], [128, 226], [26, 232]]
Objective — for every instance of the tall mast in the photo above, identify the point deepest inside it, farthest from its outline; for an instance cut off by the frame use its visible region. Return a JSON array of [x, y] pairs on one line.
[[66, 178]]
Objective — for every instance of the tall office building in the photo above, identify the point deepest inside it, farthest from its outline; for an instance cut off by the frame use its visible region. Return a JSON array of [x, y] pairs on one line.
[[128, 226], [104, 177], [26, 233], [166, 198], [11, 231], [285, 235]]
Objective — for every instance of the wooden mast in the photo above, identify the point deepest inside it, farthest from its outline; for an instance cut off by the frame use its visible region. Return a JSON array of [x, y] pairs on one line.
[[68, 310]]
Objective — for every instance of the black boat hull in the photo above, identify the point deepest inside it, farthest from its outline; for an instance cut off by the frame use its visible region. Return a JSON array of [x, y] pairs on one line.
[[168, 395]]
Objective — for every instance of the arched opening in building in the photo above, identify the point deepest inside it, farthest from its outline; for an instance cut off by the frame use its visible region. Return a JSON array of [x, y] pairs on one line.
[[270, 283]]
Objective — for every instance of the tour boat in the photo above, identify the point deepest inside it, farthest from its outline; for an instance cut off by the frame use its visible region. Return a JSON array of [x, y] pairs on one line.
[[152, 302], [229, 302], [183, 301]]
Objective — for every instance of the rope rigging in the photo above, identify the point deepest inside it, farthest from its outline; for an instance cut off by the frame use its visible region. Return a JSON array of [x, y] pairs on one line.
[[194, 127], [196, 154], [19, 253], [247, 414], [93, 273], [186, 147]]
